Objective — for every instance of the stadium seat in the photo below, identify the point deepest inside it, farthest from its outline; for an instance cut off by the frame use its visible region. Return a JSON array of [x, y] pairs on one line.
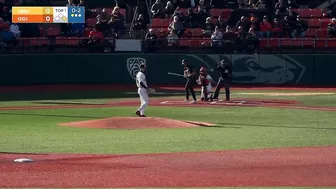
[[109, 10], [314, 23], [286, 42], [311, 32], [304, 13], [325, 22], [61, 40], [87, 32], [184, 43], [322, 33], [195, 43], [321, 43], [72, 41], [296, 42], [274, 43], [308, 43], [263, 43], [331, 43], [54, 31], [316, 13], [91, 22], [215, 13], [157, 23], [166, 22], [214, 20], [39, 41], [227, 13], [197, 32]]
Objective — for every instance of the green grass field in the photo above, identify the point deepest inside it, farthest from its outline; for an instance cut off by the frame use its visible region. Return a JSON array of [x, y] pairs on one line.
[[37, 131]]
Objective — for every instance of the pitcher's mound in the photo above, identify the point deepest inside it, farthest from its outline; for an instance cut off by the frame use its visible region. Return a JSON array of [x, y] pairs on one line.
[[135, 123]]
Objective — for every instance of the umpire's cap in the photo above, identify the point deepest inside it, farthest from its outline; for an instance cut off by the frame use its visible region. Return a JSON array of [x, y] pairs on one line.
[[184, 61]]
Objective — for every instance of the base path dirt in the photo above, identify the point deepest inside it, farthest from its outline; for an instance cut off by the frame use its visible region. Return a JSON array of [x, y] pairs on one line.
[[135, 123], [311, 166]]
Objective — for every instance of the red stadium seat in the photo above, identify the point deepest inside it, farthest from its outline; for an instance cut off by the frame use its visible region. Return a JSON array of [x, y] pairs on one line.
[[55, 31], [286, 42], [184, 43], [305, 13], [314, 23], [157, 23], [61, 40], [263, 43], [214, 20], [296, 42], [216, 12], [195, 43], [197, 32], [331, 43], [166, 22], [325, 22], [39, 41], [274, 43], [109, 10], [322, 33], [91, 22], [311, 32], [316, 13], [227, 13], [308, 43], [321, 43], [72, 41], [87, 32]]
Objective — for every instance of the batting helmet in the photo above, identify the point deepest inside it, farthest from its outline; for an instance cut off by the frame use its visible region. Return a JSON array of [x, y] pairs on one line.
[[184, 61]]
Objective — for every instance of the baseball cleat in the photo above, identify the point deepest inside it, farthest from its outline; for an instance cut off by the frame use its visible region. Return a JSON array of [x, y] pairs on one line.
[[138, 113], [143, 116], [193, 102], [186, 100]]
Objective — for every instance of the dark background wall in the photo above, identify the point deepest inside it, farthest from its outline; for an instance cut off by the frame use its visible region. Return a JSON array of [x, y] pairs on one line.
[[272, 69]]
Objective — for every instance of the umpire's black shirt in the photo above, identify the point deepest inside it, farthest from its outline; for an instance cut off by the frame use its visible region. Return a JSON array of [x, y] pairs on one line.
[[225, 70]]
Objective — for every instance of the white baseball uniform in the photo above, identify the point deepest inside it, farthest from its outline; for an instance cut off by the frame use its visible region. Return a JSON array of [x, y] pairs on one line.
[[208, 87], [144, 99]]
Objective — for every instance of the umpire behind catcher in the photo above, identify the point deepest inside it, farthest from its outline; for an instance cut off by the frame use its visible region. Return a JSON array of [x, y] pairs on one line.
[[190, 74], [225, 70]]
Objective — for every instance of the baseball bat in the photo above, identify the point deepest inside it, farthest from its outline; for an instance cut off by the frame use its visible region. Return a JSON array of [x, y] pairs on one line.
[[176, 74]]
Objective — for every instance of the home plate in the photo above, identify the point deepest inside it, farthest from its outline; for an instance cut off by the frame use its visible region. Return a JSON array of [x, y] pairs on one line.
[[23, 160]]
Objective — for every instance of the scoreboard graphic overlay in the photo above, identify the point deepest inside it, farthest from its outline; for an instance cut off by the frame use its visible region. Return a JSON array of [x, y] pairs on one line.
[[69, 14]]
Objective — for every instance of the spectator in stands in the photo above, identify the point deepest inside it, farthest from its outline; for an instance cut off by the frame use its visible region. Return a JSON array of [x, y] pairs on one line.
[[5, 14], [291, 14], [260, 4], [300, 28], [116, 21], [221, 23], [77, 29], [292, 3], [177, 26], [157, 9], [281, 5], [95, 37], [151, 40], [277, 28], [169, 10], [332, 28], [203, 6], [87, 9], [265, 28], [255, 25], [244, 24], [279, 15], [228, 39], [178, 13], [252, 40], [14, 29], [102, 21], [240, 39], [172, 38], [201, 17], [288, 26], [70, 3], [208, 27], [2, 4], [184, 4], [190, 20], [218, 4], [140, 23], [216, 38], [232, 4]]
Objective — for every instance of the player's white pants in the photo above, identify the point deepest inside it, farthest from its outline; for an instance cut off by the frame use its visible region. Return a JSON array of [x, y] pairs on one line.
[[144, 99], [208, 88]]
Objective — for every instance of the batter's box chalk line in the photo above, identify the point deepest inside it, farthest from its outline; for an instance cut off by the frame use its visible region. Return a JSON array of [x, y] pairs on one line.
[[173, 102]]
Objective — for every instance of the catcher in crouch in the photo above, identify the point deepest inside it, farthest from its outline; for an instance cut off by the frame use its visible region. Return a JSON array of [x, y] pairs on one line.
[[205, 81]]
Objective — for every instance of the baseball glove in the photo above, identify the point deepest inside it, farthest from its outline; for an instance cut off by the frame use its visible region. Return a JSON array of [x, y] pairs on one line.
[[151, 91]]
